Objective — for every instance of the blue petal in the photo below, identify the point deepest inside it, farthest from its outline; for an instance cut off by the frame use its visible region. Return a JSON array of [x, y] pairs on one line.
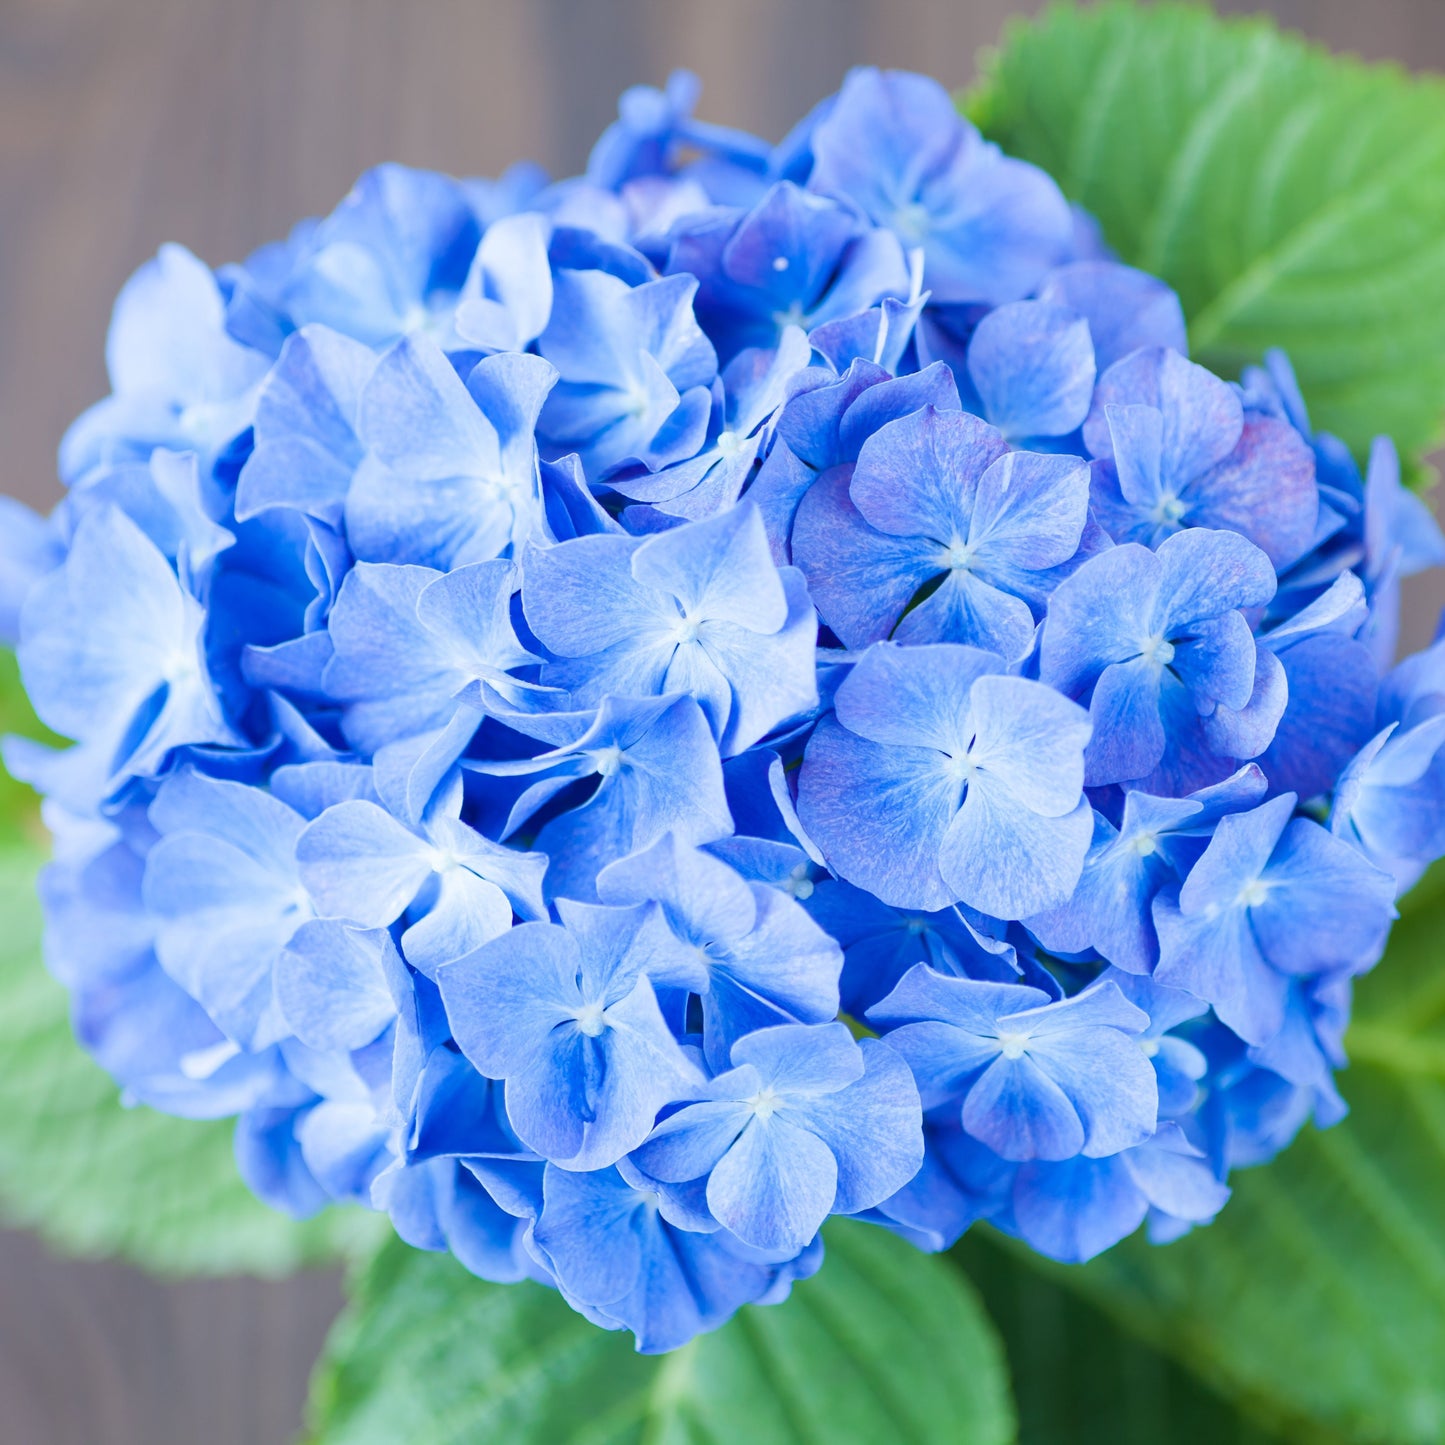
[[306, 416], [873, 1128], [1324, 905], [359, 863], [1020, 1113], [918, 476], [1125, 308], [1217, 959], [774, 1186], [1073, 1210], [895, 145], [861, 578], [1033, 365], [879, 813]]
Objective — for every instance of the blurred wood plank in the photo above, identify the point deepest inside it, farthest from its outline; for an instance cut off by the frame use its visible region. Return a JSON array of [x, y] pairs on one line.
[[98, 1354], [218, 123]]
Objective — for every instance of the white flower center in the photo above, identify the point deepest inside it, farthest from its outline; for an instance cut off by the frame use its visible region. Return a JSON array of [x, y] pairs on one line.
[[1169, 510], [793, 316], [637, 400], [958, 557], [608, 760], [765, 1102], [780, 263], [1158, 650], [913, 223], [1012, 1046], [799, 884], [960, 767], [728, 443], [589, 1019], [1145, 845], [1253, 894], [686, 630]]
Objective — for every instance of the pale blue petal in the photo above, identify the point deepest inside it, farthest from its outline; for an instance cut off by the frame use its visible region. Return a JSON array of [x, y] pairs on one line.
[[914, 696], [873, 1128], [359, 863], [688, 1144], [775, 1186], [1125, 308], [1028, 741], [1004, 859], [1128, 734], [918, 476], [466, 912], [1074, 1210], [1033, 365], [879, 814], [1324, 906], [337, 985], [860, 578], [1020, 1113], [1217, 959]]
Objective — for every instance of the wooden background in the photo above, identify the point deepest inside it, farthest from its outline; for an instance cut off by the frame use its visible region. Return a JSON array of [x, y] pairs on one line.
[[124, 123]]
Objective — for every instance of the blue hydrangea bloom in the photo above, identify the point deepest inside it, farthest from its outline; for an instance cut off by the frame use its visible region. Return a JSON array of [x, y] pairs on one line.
[[938, 498], [896, 146], [1158, 645], [389, 261], [634, 371], [940, 778], [552, 667], [657, 770], [472, 491], [1179, 451], [113, 652], [1272, 897], [751, 956], [794, 259], [1036, 1078], [700, 609], [457, 887], [567, 1016], [1127, 865], [178, 378], [408, 641]]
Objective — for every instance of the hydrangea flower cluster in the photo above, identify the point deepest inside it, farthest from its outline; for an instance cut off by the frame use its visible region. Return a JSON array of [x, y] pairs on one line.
[[615, 719]]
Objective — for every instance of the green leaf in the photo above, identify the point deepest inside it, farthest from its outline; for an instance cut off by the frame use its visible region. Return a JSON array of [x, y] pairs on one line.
[[1078, 1377], [19, 811], [885, 1344], [1291, 197], [96, 1179], [1317, 1299]]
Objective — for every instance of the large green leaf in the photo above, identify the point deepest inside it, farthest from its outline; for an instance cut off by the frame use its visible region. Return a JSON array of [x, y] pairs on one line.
[[95, 1178], [1292, 198], [1079, 1377], [1317, 1299], [884, 1345]]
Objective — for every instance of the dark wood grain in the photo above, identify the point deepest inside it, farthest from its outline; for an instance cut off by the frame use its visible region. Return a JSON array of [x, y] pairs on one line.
[[218, 123]]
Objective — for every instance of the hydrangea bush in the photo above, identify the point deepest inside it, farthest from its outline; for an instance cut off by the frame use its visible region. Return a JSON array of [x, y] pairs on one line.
[[615, 719]]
